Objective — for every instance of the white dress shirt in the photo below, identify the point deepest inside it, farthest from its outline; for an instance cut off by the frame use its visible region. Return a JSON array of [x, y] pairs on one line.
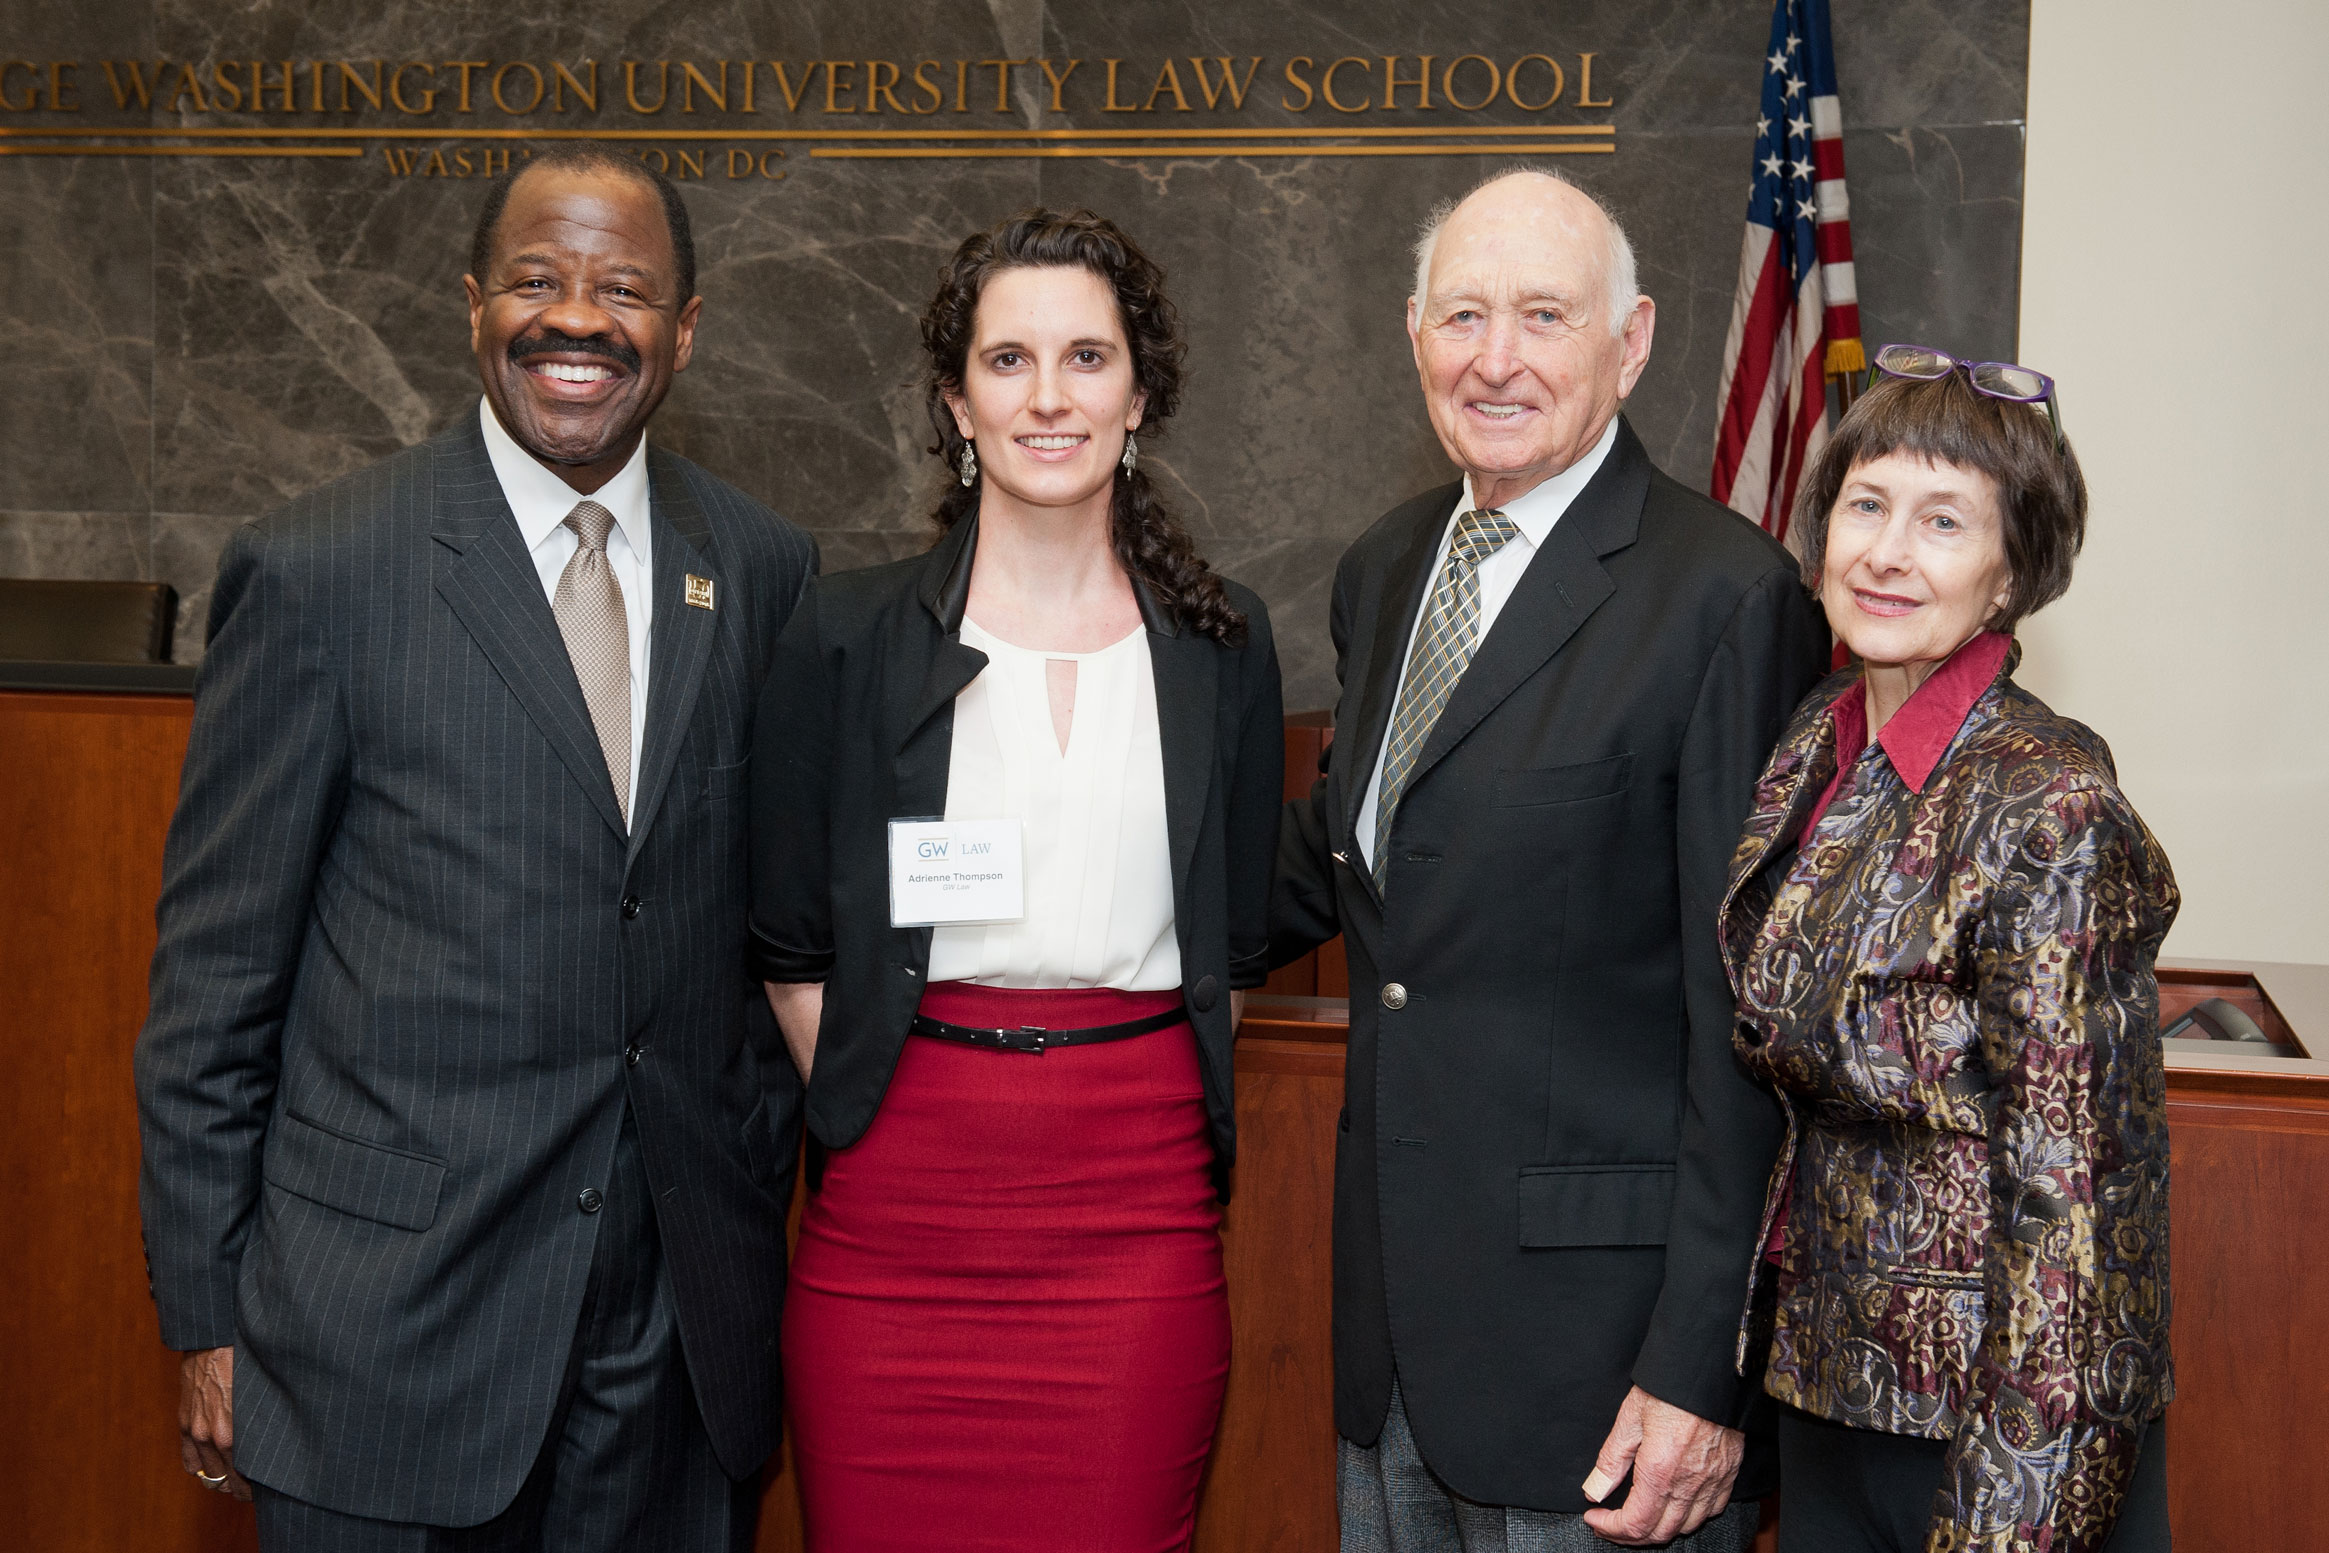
[[540, 501], [1099, 871], [1534, 514]]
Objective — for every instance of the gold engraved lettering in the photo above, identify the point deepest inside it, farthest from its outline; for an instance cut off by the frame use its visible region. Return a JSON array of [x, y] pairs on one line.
[[691, 79], [31, 93], [226, 94], [1585, 83], [1112, 105], [833, 83], [1002, 81], [1058, 80], [961, 76], [879, 86], [1421, 81], [751, 74], [260, 88], [428, 94], [561, 78], [139, 86], [1512, 83], [631, 85], [490, 153], [1326, 84], [923, 83], [1294, 80], [1235, 88], [691, 163], [467, 67], [189, 84], [502, 102], [1167, 79], [348, 78], [1447, 82], [792, 93], [60, 82]]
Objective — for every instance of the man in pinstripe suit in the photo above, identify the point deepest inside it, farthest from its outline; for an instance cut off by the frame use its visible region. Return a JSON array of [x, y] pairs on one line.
[[467, 1137]]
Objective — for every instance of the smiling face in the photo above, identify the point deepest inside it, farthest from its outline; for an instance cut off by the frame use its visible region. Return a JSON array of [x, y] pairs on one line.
[[1916, 559], [578, 327], [1521, 370], [1048, 390]]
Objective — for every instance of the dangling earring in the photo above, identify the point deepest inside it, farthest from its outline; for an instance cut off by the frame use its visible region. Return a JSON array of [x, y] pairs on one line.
[[969, 464], [1131, 452]]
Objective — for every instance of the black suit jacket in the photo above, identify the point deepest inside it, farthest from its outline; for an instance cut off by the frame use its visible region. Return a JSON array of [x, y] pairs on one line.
[[405, 947], [1551, 1166], [857, 729]]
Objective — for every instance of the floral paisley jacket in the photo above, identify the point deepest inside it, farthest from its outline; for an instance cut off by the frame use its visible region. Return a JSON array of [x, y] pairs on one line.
[[1951, 984]]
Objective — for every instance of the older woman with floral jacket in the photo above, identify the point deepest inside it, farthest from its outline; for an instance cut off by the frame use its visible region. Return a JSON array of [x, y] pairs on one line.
[[1941, 928]]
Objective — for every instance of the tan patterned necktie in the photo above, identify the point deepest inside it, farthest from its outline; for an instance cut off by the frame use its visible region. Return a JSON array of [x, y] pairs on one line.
[[1443, 650], [589, 607]]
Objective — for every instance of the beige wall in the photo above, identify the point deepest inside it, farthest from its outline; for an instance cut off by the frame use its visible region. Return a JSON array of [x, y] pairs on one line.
[[2175, 281]]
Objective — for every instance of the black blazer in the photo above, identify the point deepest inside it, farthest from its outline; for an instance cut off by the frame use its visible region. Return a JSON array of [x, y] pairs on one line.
[[1551, 1165], [405, 947], [857, 729]]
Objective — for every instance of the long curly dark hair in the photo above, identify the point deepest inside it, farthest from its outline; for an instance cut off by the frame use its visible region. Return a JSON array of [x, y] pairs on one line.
[[1150, 543]]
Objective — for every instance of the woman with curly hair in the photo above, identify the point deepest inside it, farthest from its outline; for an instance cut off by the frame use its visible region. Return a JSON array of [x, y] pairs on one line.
[[1007, 1326], [1942, 927]]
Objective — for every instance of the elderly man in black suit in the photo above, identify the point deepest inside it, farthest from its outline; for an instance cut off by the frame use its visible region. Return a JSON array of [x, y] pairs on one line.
[[1560, 678], [467, 1137]]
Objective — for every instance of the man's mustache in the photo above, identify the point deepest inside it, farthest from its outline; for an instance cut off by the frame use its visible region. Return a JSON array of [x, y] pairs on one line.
[[549, 342]]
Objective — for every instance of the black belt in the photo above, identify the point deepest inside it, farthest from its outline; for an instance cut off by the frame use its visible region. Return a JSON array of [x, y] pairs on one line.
[[1037, 1039]]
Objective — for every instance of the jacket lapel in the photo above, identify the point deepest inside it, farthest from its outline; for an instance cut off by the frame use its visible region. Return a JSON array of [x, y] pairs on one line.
[[1564, 584], [489, 581], [1402, 596], [1187, 670], [682, 634], [924, 734], [1799, 772]]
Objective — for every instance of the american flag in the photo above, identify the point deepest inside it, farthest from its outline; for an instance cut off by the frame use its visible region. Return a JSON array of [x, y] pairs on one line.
[[1796, 318]]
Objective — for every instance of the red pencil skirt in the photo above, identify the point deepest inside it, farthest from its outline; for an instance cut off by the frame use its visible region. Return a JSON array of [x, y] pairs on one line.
[[1007, 1326]]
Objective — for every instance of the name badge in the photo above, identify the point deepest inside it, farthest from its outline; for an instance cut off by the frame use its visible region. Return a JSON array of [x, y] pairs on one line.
[[951, 872]]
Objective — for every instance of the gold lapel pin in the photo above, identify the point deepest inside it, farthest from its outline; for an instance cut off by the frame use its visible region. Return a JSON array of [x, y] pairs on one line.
[[699, 591]]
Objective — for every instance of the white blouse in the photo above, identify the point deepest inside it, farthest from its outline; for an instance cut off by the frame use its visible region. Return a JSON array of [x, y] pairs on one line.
[[1099, 876]]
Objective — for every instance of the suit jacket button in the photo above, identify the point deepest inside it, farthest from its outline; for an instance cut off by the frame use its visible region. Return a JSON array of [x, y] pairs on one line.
[[1204, 995], [631, 904], [632, 1053], [590, 1201], [1394, 995]]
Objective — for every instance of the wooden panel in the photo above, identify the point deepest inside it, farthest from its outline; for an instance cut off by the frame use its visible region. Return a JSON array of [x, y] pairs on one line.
[[89, 1427], [1269, 1487], [2248, 1432]]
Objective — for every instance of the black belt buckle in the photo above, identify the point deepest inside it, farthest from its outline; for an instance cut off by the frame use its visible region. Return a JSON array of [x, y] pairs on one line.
[[1030, 1039]]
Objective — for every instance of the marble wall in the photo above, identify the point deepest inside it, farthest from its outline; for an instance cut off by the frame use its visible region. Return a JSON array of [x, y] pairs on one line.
[[197, 339]]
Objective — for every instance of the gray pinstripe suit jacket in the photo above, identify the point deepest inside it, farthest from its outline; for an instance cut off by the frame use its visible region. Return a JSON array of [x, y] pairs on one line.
[[405, 943]]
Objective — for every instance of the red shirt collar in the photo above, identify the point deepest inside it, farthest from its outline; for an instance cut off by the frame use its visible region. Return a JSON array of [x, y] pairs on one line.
[[1919, 733]]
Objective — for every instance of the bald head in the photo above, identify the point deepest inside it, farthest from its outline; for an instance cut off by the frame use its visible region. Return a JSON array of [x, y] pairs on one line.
[[1536, 206], [1528, 331]]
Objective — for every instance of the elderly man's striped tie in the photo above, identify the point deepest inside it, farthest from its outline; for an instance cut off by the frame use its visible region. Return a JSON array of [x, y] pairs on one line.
[[1443, 650]]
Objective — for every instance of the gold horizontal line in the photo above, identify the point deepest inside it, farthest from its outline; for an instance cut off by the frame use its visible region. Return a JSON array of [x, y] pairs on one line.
[[399, 132], [1568, 148], [331, 151]]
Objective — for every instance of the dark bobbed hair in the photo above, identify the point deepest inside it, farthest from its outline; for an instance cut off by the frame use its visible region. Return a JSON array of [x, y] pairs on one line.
[[588, 156], [2041, 493], [1150, 543]]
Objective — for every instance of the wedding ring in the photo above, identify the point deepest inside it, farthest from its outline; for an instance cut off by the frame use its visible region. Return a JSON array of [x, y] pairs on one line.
[[212, 1481]]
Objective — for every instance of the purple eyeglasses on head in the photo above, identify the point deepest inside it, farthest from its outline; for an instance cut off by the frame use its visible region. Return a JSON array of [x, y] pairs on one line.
[[1997, 379]]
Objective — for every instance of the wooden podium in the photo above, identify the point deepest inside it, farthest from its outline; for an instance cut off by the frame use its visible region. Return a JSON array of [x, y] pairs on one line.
[[88, 776]]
